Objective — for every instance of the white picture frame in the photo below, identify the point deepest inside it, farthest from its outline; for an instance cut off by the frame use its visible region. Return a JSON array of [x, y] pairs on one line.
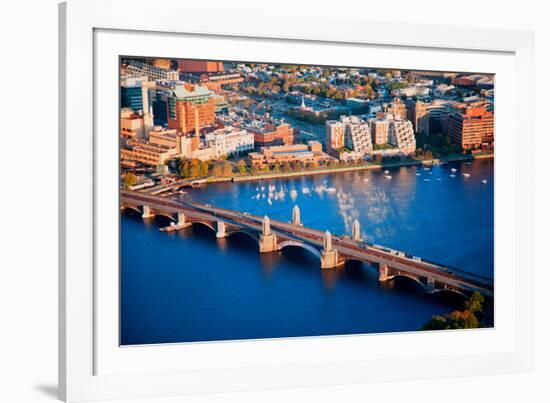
[[85, 325]]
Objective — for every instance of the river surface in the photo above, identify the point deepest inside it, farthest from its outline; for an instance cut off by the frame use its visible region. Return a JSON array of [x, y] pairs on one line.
[[189, 286]]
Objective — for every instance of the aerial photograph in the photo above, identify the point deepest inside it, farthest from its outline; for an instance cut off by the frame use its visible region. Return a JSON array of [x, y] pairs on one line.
[[264, 200]]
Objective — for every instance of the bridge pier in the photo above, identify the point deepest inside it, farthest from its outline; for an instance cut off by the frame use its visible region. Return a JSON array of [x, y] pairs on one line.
[[180, 224], [430, 285], [268, 240], [329, 255], [383, 272], [147, 212], [221, 233]]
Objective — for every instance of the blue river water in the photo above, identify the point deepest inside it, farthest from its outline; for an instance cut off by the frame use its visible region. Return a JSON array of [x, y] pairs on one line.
[[189, 286]]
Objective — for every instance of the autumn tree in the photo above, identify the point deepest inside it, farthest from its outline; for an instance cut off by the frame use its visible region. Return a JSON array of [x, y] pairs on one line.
[[130, 179], [474, 304], [217, 170], [286, 168], [241, 167], [203, 168], [194, 168], [184, 169], [227, 169]]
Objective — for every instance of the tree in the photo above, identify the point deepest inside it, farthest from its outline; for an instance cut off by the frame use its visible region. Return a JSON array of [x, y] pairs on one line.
[[203, 168], [241, 167], [297, 166], [254, 170], [474, 304], [435, 323], [277, 168], [286, 167], [312, 165], [130, 179], [227, 169], [333, 163], [194, 168], [217, 170], [184, 169]]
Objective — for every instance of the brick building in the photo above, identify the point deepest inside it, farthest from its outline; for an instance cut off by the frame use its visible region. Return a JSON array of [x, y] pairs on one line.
[[190, 107], [199, 66], [471, 126]]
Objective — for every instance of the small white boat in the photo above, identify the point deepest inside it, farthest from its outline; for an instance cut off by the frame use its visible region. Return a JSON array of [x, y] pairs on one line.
[[386, 172], [453, 169], [330, 190], [427, 180], [438, 179], [466, 175], [387, 176], [417, 174], [366, 180], [484, 181], [269, 202], [452, 176]]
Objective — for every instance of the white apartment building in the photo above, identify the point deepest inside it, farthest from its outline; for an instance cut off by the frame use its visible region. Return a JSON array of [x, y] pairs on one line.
[[350, 132], [389, 129], [401, 134], [229, 140]]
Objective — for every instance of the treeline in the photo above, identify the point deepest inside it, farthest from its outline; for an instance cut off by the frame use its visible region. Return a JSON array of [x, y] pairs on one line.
[[438, 145], [194, 168], [469, 318]]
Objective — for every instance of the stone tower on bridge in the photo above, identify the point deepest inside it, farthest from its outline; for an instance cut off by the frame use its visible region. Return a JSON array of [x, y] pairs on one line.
[[296, 216], [329, 256], [268, 240], [356, 231]]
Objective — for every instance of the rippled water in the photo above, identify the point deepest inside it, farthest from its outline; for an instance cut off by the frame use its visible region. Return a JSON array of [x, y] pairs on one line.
[[189, 286]]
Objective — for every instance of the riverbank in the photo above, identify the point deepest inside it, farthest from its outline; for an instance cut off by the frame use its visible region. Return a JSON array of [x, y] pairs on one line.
[[435, 161]]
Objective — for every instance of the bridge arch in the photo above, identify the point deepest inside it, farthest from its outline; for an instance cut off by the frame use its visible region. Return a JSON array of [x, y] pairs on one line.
[[410, 277], [133, 208], [166, 215], [450, 291], [207, 224], [251, 234], [309, 248]]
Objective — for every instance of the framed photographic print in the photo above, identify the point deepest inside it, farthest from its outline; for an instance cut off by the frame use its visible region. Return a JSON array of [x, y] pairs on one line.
[[246, 209]]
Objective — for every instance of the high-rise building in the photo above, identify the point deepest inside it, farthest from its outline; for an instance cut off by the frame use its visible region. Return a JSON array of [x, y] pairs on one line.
[[190, 107], [379, 129], [335, 135], [417, 113], [351, 133], [199, 66], [398, 108], [130, 92], [471, 125], [389, 129], [401, 134]]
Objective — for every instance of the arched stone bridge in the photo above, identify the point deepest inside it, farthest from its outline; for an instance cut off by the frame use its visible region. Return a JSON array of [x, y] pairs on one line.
[[332, 251]]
